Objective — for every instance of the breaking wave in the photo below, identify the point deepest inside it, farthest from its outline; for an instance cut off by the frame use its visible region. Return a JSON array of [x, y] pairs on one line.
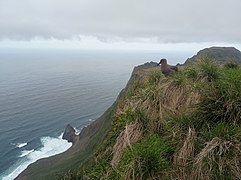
[[50, 146]]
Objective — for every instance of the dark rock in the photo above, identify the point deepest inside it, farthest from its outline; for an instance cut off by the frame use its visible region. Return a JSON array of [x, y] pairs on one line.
[[218, 54], [69, 134]]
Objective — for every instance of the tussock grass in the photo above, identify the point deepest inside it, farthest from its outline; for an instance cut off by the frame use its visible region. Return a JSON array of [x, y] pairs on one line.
[[169, 97], [183, 158], [147, 159], [155, 76], [219, 159], [223, 131], [130, 135], [208, 69], [221, 100], [184, 126], [231, 65]]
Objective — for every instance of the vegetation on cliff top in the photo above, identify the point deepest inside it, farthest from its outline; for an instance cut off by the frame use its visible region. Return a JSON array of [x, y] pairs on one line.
[[185, 126]]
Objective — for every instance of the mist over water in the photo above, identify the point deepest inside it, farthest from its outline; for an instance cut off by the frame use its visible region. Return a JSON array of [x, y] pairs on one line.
[[41, 91]]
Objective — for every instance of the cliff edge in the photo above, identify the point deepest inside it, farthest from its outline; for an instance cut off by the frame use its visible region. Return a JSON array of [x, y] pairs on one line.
[[84, 144], [184, 126]]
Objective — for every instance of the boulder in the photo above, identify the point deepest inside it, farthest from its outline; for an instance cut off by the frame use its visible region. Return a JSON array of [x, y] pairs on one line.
[[69, 134]]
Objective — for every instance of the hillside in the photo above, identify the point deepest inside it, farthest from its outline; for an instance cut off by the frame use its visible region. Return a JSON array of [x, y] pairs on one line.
[[185, 126], [219, 54]]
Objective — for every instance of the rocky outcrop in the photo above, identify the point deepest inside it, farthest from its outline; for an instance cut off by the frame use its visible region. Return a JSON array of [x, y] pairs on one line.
[[218, 54], [69, 134]]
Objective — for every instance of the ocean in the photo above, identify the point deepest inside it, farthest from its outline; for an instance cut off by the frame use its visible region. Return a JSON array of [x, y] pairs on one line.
[[41, 91]]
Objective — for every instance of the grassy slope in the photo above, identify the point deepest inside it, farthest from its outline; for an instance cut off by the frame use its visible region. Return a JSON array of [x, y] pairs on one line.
[[186, 126]]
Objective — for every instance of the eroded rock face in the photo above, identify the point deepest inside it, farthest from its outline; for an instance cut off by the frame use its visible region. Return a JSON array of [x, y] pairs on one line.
[[69, 134]]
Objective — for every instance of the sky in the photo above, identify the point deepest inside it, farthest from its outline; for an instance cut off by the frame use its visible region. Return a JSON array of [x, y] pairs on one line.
[[123, 24]]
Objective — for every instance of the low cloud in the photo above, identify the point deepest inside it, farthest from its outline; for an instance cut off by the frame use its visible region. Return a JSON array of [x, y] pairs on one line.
[[170, 21]]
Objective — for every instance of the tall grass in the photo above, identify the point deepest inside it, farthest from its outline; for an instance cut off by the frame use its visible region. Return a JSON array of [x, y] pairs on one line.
[[185, 126], [148, 159], [221, 100], [231, 65]]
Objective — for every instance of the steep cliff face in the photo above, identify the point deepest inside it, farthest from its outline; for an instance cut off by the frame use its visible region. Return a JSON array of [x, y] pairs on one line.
[[81, 150], [186, 126], [219, 54], [84, 144]]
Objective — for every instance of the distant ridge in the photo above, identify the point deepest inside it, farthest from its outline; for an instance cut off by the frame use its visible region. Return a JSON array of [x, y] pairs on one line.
[[219, 54]]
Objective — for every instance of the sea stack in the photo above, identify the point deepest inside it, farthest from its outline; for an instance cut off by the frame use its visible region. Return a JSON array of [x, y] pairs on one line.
[[69, 134]]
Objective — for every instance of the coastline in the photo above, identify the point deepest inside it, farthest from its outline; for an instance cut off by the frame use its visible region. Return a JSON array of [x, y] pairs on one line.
[[89, 139], [51, 146]]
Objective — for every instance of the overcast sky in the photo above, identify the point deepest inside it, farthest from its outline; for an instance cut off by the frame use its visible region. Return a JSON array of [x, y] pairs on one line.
[[121, 21]]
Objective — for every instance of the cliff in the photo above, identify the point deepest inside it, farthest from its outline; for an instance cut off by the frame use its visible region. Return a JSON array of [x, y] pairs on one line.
[[185, 126], [218, 54], [84, 144]]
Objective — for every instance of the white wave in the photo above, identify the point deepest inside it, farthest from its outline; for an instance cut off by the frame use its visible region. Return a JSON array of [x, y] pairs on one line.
[[20, 145], [51, 146], [77, 131], [90, 120], [25, 152]]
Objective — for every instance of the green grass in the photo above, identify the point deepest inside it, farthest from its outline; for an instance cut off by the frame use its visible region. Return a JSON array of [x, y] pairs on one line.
[[149, 158], [231, 65], [221, 100], [193, 116], [223, 131]]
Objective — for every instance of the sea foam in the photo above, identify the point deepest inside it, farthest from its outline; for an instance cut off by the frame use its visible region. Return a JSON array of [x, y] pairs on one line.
[[22, 145], [50, 146], [25, 153]]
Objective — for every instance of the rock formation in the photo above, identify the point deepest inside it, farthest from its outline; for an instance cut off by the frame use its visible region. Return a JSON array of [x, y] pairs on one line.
[[69, 134], [218, 54]]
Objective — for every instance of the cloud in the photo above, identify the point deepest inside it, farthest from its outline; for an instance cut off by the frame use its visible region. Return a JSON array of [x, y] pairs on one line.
[[172, 21]]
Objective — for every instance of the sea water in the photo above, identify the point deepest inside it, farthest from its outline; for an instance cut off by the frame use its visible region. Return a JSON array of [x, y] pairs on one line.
[[41, 91]]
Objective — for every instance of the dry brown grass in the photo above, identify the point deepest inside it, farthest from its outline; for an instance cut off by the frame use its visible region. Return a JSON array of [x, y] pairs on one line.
[[160, 98], [130, 135], [184, 156], [167, 98], [217, 157]]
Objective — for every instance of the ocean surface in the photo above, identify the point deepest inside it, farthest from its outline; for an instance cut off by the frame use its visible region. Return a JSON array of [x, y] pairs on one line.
[[41, 91]]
